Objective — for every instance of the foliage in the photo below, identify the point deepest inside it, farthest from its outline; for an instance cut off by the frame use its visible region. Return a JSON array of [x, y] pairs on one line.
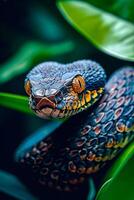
[[30, 54], [109, 33], [15, 102], [11, 185], [119, 179]]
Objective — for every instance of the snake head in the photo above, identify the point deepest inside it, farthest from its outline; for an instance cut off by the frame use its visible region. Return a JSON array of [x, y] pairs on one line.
[[57, 90]]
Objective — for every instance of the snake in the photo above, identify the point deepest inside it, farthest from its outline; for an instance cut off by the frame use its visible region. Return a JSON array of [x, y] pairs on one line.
[[99, 120]]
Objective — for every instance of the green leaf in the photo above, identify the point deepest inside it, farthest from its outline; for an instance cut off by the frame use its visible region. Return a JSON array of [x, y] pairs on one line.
[[36, 137], [15, 102], [119, 180], [107, 32], [121, 8], [12, 186], [30, 54]]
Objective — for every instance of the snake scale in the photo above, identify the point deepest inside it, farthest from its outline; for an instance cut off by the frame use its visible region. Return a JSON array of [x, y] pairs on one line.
[[88, 140]]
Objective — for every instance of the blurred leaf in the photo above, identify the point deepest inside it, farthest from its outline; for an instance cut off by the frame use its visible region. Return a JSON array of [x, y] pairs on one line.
[[36, 137], [31, 53], [15, 102], [109, 33], [124, 9], [49, 26], [12, 186], [119, 180]]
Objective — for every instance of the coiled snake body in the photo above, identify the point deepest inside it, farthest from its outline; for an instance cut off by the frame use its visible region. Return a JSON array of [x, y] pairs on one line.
[[83, 144]]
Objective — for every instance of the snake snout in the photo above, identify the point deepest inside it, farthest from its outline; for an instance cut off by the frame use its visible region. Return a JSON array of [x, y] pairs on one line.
[[38, 103], [45, 102]]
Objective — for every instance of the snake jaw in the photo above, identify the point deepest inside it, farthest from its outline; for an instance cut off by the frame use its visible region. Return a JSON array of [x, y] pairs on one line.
[[45, 102]]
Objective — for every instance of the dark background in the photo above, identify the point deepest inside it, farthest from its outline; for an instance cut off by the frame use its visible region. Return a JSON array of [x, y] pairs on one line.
[[21, 21]]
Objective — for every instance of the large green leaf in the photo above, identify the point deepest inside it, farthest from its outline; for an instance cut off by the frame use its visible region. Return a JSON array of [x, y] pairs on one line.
[[121, 8], [30, 54], [12, 186], [15, 102], [119, 180], [109, 33], [36, 137]]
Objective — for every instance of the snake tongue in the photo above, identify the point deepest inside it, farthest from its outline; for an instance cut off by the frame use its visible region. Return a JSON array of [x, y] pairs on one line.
[[45, 102]]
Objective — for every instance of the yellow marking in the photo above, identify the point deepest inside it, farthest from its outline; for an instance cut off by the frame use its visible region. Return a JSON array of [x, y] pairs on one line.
[[88, 96], [105, 158], [94, 94], [100, 90], [83, 100], [79, 104], [123, 144], [98, 159], [129, 129], [110, 144], [69, 107], [75, 105], [64, 108], [118, 144]]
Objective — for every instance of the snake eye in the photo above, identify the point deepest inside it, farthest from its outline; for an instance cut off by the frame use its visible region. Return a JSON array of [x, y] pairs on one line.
[[28, 87], [78, 84]]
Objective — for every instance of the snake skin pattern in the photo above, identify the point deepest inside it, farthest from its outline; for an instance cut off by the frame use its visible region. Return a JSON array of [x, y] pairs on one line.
[[87, 141]]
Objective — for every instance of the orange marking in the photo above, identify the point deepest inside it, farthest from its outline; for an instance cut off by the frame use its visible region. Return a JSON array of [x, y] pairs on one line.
[[83, 100], [88, 96], [98, 159], [75, 105], [79, 104], [97, 130], [121, 127], [110, 144], [91, 157], [28, 87]]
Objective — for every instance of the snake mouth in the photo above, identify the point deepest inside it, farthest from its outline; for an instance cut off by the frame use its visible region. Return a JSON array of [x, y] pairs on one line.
[[44, 103], [45, 108], [39, 103]]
